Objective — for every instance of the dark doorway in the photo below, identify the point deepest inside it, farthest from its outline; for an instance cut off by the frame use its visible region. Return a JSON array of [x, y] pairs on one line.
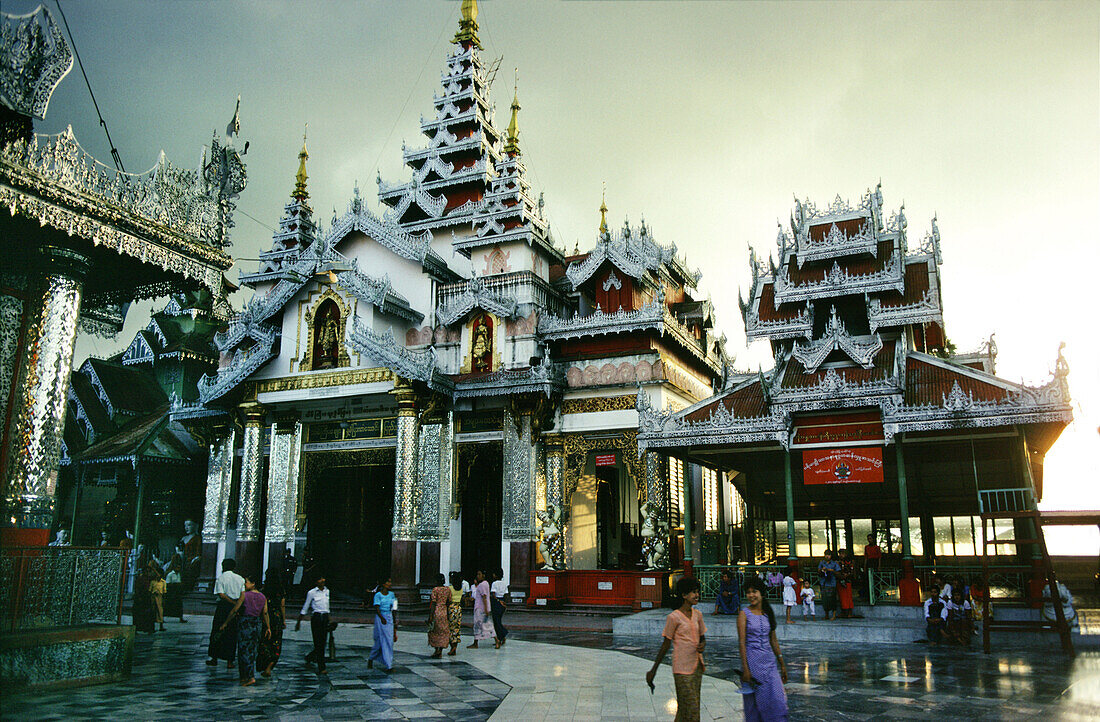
[[481, 472], [350, 522], [607, 517]]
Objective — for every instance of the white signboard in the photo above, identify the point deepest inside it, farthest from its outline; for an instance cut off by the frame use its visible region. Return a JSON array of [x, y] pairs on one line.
[[542, 580], [649, 582], [603, 586], [540, 602]]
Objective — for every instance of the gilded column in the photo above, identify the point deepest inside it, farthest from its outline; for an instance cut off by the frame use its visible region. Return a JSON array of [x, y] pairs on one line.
[[520, 460], [248, 503], [656, 485], [219, 484], [282, 487], [555, 470], [405, 498], [40, 388]]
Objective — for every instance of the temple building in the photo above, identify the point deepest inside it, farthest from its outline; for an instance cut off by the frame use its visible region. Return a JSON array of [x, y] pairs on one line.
[[869, 422], [121, 451], [441, 387]]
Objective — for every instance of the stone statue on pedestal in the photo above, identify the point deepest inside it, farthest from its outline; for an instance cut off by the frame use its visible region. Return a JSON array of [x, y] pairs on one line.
[[551, 545], [654, 538]]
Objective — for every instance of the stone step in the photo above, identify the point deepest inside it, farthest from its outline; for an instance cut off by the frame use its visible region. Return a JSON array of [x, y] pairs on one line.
[[904, 628]]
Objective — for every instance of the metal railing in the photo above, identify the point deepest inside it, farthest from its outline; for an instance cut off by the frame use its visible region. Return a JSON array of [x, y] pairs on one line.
[[61, 586], [883, 585], [709, 576], [1005, 500]]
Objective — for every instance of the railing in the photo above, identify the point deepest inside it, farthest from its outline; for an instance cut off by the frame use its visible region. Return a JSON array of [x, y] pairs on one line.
[[883, 585], [709, 577], [61, 586], [1005, 500]]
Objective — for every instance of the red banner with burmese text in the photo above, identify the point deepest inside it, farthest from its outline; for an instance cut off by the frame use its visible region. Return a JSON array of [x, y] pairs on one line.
[[842, 466]]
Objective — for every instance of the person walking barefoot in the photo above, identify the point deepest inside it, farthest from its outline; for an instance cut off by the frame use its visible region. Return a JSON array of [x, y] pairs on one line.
[[454, 611], [685, 631], [762, 669], [385, 626], [439, 629], [483, 623], [251, 607]]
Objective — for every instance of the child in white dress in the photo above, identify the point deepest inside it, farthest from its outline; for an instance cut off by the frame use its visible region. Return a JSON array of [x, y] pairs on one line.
[[790, 597], [808, 600]]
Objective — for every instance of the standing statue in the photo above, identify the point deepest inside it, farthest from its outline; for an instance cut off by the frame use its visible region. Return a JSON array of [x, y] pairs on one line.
[[190, 545], [654, 537], [551, 545]]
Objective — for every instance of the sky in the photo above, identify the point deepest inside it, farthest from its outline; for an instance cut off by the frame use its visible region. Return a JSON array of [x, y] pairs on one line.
[[706, 118]]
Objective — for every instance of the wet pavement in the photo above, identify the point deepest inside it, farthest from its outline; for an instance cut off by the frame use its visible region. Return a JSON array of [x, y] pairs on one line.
[[574, 675]]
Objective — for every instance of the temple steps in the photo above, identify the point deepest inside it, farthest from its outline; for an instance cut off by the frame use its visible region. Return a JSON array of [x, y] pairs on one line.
[[881, 624]]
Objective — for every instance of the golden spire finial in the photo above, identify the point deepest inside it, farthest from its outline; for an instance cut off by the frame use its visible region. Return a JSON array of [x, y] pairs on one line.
[[512, 146], [603, 211], [300, 178], [467, 25]]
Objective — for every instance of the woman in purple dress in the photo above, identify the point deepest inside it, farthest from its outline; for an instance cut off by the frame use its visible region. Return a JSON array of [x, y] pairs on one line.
[[762, 666]]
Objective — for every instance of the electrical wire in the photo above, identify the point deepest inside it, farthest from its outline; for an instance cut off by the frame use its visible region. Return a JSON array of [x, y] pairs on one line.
[[114, 151]]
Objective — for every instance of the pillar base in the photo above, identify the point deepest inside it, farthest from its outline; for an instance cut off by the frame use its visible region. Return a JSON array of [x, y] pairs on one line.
[[403, 571], [249, 556], [522, 559], [12, 537], [909, 592], [208, 568], [429, 563]]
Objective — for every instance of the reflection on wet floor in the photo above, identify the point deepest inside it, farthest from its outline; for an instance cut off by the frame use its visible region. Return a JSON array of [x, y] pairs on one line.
[[887, 681]]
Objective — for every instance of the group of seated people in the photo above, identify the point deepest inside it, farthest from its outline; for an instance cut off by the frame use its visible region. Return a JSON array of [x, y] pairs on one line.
[[950, 611]]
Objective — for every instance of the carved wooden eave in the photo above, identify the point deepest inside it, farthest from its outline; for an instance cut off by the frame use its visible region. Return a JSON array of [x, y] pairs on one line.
[[476, 295], [52, 181], [546, 379], [384, 349], [860, 349]]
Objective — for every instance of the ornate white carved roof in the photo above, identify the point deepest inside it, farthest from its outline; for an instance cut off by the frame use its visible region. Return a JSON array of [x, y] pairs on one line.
[[475, 295], [633, 253], [862, 350]]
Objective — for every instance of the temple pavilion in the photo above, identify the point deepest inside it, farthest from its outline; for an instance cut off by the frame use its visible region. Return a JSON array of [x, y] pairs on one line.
[[869, 422]]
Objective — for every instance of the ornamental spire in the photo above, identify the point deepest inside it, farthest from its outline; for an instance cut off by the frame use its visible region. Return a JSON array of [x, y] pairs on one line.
[[603, 212], [512, 145], [467, 26], [300, 192]]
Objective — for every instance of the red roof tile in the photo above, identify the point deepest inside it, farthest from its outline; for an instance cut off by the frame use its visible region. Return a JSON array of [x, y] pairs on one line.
[[767, 311], [815, 271], [745, 403], [926, 383], [796, 377], [916, 284]]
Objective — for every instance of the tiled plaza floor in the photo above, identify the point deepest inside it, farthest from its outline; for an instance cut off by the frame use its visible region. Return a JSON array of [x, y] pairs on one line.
[[574, 676]]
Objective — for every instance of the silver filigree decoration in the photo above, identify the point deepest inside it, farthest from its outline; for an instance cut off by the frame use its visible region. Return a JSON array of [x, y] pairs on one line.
[[836, 336], [476, 295], [36, 59]]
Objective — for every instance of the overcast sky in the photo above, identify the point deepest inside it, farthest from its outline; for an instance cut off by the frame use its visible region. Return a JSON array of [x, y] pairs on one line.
[[706, 118]]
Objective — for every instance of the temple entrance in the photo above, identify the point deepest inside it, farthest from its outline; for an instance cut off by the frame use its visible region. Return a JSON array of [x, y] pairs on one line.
[[350, 521], [604, 516], [480, 479]]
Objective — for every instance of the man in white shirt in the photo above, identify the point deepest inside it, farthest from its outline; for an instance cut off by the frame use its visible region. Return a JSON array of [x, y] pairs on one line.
[[317, 605], [228, 589], [498, 591]]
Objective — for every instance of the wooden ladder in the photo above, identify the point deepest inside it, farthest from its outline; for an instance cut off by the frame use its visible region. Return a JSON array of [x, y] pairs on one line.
[[990, 513]]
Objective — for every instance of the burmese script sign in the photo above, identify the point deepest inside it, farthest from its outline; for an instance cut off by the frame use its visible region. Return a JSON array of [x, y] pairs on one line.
[[842, 466]]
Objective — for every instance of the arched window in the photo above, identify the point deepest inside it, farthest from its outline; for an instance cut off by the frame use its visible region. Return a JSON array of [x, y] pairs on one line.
[[326, 336]]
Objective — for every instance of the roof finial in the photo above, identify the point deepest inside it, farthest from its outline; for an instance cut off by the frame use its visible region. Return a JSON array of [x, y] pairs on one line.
[[603, 211], [512, 146], [467, 26], [300, 192]]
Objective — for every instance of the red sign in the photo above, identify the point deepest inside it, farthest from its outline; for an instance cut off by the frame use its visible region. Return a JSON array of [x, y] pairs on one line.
[[837, 429], [605, 460], [842, 466]]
